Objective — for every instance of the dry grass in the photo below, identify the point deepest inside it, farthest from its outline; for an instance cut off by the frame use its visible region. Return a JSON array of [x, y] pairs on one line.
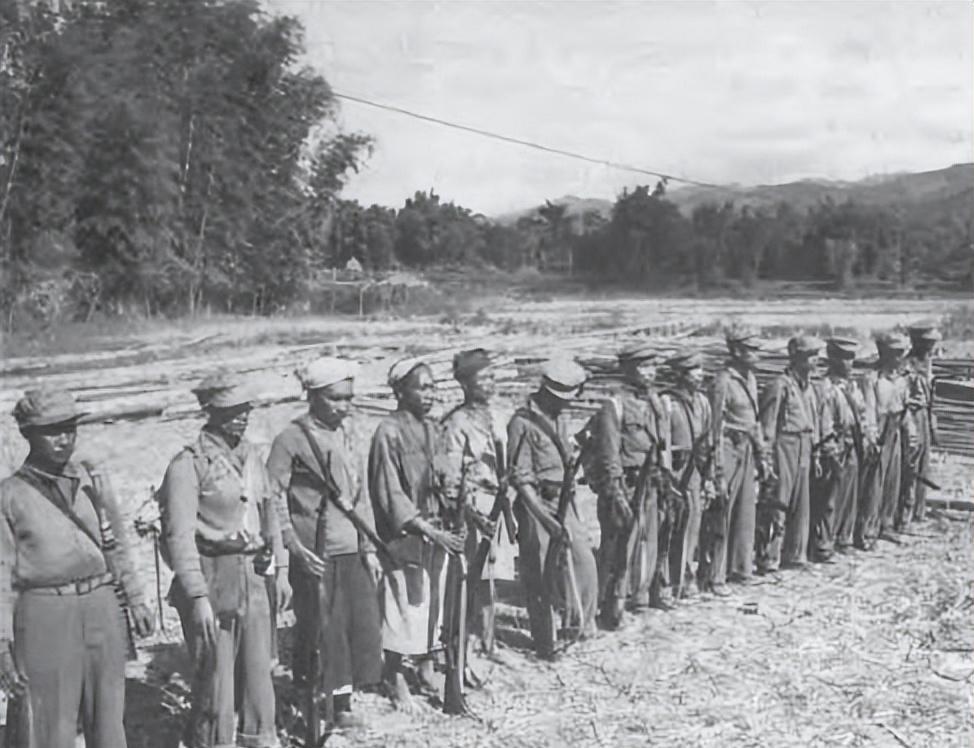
[[875, 651]]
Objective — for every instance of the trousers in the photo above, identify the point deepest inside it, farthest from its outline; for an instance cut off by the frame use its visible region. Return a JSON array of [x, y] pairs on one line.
[[731, 549], [542, 595], [235, 677], [879, 494], [72, 650], [914, 501], [834, 500], [627, 555], [787, 540]]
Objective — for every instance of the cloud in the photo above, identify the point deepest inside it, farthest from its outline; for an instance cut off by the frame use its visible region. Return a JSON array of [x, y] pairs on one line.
[[737, 92]]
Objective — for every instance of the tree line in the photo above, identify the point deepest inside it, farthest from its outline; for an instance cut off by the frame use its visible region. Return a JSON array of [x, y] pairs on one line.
[[168, 155]]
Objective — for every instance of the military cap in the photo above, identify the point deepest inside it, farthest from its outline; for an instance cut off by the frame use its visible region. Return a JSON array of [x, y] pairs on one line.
[[739, 335], [403, 368], [563, 377], [639, 351], [892, 341], [467, 363], [326, 371], [686, 361], [927, 333], [46, 407], [804, 345], [222, 390], [841, 347]]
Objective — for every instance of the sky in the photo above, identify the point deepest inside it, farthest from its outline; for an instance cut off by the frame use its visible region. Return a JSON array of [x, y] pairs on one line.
[[721, 92]]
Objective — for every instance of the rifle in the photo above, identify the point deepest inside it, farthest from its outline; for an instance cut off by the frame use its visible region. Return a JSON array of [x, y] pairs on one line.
[[101, 487], [18, 720], [501, 507], [560, 549], [330, 491], [455, 609], [503, 482], [313, 737], [142, 528], [817, 446], [639, 517]]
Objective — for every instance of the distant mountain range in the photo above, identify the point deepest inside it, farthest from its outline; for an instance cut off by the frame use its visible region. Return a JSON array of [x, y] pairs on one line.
[[955, 184]]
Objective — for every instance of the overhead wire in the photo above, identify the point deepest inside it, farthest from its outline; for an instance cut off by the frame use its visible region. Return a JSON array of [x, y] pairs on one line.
[[526, 143]]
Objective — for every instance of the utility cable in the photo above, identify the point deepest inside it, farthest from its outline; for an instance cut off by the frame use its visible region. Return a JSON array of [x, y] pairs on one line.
[[526, 143]]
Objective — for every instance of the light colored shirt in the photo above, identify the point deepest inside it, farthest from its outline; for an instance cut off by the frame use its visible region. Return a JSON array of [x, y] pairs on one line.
[[295, 477], [474, 425], [539, 460], [734, 404], [789, 407], [627, 429], [842, 411], [210, 495], [41, 547]]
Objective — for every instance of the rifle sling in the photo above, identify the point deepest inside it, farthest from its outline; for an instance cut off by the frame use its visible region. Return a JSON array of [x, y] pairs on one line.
[[37, 484], [568, 466], [542, 423], [694, 443], [328, 483]]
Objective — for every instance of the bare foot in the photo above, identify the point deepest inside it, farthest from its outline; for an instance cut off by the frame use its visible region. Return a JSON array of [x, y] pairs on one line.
[[399, 695], [424, 676]]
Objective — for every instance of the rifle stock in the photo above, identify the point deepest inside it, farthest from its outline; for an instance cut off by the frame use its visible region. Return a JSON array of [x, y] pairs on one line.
[[102, 488], [502, 505]]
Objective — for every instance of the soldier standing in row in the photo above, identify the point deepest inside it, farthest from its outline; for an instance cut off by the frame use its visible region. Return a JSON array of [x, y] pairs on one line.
[[789, 419], [886, 394], [220, 535], [630, 449], [540, 472], [739, 452], [318, 483], [62, 631], [851, 434], [691, 445], [919, 376], [472, 425], [405, 464]]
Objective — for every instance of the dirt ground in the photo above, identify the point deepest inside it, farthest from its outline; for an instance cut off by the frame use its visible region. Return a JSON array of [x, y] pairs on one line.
[[877, 650]]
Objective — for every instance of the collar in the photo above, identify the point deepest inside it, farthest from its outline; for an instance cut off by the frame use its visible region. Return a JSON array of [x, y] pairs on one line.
[[310, 419], [406, 415], [743, 379], [70, 471], [791, 374]]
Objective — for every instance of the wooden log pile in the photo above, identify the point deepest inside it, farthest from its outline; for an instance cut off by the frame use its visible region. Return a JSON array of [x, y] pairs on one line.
[[163, 389]]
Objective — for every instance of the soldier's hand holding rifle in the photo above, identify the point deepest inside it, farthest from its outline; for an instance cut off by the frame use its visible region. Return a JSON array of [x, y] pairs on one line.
[[482, 522], [621, 510], [142, 619], [451, 542], [372, 565], [307, 559], [12, 680]]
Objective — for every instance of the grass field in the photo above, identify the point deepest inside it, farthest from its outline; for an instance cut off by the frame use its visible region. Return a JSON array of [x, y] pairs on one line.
[[876, 651]]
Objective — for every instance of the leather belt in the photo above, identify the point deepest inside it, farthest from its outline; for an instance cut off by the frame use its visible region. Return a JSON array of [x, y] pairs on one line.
[[77, 587]]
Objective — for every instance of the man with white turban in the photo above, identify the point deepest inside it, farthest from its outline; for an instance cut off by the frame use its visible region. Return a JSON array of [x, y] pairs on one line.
[[317, 479]]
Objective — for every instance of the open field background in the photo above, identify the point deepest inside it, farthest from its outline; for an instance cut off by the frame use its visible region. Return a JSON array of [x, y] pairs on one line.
[[874, 651]]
